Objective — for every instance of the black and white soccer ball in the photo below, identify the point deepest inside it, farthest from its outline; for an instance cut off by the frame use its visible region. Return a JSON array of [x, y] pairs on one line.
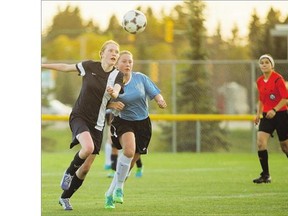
[[134, 21]]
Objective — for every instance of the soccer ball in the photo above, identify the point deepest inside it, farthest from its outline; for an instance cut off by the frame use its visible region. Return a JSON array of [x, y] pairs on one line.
[[134, 21]]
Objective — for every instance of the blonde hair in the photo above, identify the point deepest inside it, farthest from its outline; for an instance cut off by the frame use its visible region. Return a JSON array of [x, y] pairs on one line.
[[123, 52], [106, 44]]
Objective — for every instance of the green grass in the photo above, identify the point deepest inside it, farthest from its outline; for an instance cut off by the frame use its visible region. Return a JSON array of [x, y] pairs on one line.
[[174, 184], [58, 139]]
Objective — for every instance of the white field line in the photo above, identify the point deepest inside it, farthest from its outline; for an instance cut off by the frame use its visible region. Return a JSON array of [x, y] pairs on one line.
[[236, 196], [162, 170]]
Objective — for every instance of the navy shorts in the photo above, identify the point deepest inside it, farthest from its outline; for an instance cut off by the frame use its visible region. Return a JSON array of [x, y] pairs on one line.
[[278, 123], [79, 125], [142, 130]]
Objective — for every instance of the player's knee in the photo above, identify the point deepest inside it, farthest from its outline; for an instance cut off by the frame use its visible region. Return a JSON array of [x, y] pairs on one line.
[[88, 150], [261, 145], [284, 146], [285, 151], [129, 153]]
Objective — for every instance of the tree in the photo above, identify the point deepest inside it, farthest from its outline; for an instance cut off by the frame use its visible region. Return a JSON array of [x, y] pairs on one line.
[[91, 27], [260, 39], [115, 29], [68, 22], [270, 44], [153, 35], [217, 47], [195, 91], [180, 39], [255, 36]]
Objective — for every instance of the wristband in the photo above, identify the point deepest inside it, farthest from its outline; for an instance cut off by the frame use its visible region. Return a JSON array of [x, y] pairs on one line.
[[274, 110]]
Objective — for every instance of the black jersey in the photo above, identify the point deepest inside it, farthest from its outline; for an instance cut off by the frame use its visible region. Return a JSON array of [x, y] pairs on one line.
[[93, 98]]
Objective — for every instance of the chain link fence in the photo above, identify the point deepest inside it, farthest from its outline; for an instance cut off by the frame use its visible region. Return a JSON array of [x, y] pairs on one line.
[[232, 91]]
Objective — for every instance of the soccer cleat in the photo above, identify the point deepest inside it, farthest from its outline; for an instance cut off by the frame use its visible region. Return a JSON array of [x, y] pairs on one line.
[[109, 202], [118, 195], [107, 167], [111, 174], [262, 179], [64, 202], [139, 172], [66, 181]]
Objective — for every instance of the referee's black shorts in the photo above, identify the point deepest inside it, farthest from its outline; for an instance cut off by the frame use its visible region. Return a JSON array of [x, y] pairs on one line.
[[142, 130], [79, 125], [278, 123]]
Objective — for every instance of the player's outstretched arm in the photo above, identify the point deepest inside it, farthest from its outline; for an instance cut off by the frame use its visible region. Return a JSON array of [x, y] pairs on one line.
[[160, 101], [116, 105], [60, 67]]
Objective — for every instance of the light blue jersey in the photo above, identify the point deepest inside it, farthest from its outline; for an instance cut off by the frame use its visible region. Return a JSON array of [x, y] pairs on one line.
[[137, 91]]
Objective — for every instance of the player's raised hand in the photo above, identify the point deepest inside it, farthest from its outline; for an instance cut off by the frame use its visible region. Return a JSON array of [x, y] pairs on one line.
[[111, 92]]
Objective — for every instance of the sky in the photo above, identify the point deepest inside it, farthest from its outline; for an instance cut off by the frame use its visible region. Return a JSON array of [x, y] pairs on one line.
[[227, 13]]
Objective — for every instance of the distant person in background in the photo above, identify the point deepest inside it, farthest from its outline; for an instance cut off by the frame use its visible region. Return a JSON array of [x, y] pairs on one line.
[[101, 81], [131, 128], [272, 105]]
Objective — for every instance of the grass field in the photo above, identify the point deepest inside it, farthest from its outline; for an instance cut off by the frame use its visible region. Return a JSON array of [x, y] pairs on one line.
[[174, 184], [55, 140]]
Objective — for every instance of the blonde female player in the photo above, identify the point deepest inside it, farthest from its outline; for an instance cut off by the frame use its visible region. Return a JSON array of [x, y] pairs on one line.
[[101, 82], [131, 128]]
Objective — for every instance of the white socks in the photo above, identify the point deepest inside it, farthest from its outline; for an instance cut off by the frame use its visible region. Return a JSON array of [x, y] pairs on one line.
[[108, 152], [122, 170]]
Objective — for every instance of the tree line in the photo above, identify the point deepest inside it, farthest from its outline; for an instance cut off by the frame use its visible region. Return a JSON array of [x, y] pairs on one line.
[[179, 35], [70, 30]]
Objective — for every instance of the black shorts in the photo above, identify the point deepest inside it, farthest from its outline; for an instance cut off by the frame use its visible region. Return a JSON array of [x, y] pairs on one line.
[[78, 125], [141, 129], [278, 123]]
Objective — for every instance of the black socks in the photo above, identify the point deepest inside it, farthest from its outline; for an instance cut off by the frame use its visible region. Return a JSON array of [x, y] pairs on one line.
[[139, 163], [114, 161], [263, 158], [75, 164], [75, 184]]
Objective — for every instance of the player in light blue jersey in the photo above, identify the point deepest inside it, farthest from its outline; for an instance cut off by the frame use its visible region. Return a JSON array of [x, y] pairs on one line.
[[131, 127], [111, 152]]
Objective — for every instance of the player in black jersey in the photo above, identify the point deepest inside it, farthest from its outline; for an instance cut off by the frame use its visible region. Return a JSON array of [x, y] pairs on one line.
[[101, 81]]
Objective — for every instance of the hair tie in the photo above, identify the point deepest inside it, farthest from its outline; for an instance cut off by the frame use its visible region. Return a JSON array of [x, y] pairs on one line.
[[269, 58]]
